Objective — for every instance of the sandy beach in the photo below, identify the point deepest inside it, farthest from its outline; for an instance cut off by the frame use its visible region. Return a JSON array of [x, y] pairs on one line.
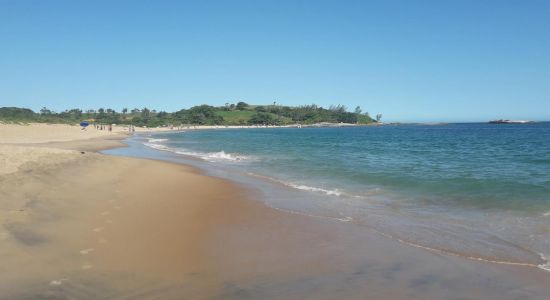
[[76, 224]]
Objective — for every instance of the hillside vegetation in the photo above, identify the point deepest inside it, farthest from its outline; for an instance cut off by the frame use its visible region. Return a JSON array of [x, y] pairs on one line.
[[230, 114]]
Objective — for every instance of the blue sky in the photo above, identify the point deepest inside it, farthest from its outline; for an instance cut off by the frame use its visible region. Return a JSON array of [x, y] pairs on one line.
[[409, 60]]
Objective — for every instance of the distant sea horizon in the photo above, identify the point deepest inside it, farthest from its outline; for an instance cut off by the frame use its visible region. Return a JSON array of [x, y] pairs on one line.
[[460, 122]]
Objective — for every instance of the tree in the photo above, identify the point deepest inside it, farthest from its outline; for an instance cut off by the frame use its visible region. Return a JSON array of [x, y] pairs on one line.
[[16, 114], [260, 109], [262, 118], [358, 110], [124, 111], [162, 114], [145, 113], [378, 117], [76, 112], [203, 114], [338, 108], [45, 111], [242, 105]]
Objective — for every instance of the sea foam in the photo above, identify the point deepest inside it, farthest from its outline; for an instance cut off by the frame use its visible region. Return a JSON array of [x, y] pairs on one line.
[[152, 140], [334, 192], [207, 156], [546, 265], [215, 156]]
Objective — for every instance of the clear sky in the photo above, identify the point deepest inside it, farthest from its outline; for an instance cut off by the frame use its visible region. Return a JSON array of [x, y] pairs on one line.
[[409, 60]]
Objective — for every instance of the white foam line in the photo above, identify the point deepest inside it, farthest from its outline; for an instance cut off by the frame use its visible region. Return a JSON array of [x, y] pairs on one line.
[[151, 140], [314, 189], [543, 266], [208, 156], [302, 187], [335, 192], [446, 252]]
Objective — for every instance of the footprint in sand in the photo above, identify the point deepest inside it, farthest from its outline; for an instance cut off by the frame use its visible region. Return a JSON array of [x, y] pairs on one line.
[[58, 281], [102, 241], [117, 207], [86, 266], [98, 229], [108, 221], [105, 213], [86, 251]]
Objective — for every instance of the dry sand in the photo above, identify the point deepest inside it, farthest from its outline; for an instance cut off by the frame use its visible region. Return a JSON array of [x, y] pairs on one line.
[[41, 133], [89, 226], [22, 144]]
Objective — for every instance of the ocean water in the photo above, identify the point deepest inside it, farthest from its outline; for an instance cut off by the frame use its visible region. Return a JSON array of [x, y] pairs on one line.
[[481, 191]]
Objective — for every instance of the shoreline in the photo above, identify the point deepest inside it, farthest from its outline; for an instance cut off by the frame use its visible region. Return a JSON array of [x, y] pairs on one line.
[[530, 258], [178, 232]]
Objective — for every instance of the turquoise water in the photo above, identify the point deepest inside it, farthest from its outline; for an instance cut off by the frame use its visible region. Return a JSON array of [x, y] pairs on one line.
[[477, 190], [482, 165]]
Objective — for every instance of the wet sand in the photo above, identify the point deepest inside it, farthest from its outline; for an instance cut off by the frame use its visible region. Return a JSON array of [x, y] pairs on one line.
[[91, 226]]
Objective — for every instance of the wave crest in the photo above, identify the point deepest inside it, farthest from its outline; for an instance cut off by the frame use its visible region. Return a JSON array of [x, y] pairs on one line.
[[546, 263], [207, 156], [152, 140], [334, 192], [215, 156]]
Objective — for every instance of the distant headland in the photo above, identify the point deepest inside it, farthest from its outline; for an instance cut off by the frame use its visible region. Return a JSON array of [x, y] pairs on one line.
[[240, 113], [501, 121]]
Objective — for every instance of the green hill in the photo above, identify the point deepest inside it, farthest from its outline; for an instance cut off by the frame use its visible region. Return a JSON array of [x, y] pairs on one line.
[[230, 114]]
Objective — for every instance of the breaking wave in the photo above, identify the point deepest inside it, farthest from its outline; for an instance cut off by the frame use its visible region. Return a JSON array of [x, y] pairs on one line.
[[207, 156], [333, 192]]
